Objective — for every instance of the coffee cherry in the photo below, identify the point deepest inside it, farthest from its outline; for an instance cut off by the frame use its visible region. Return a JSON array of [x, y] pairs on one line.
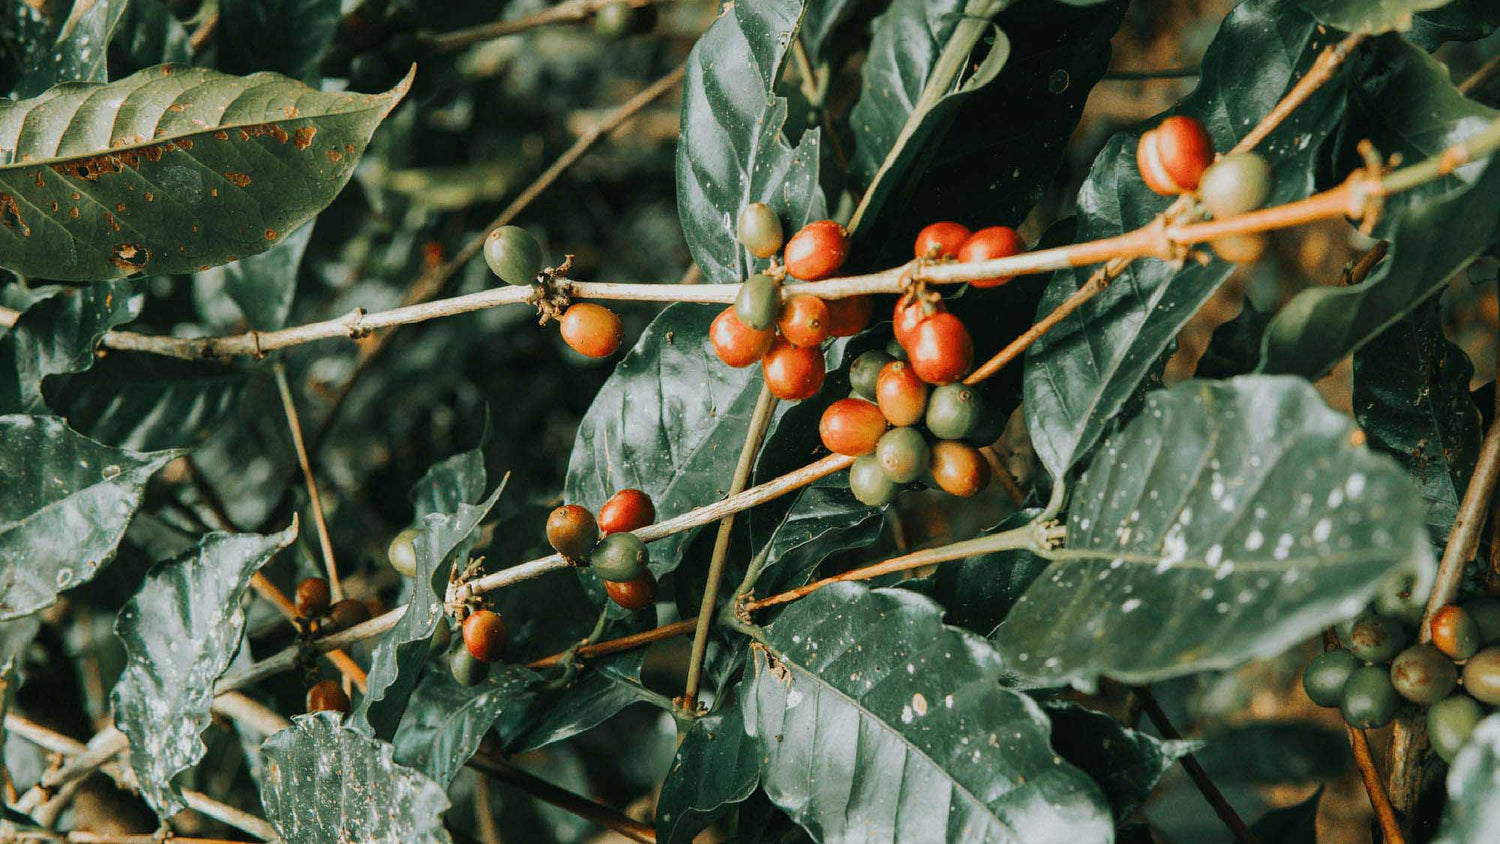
[[1370, 700], [572, 531], [1454, 632], [513, 255], [1240, 248], [902, 396], [793, 373], [850, 315], [327, 696], [865, 371], [804, 320], [817, 250], [992, 242], [1423, 674], [1450, 722], [1396, 597], [1482, 676], [851, 427], [1375, 638], [402, 552], [467, 670], [485, 635], [940, 240], [626, 510], [592, 330], [736, 343], [903, 454], [619, 557], [959, 469], [1173, 156], [636, 594], [942, 351], [1486, 615], [345, 614], [312, 597], [953, 411], [868, 482], [759, 230], [910, 313], [1324, 677], [442, 634], [758, 302], [1237, 183]]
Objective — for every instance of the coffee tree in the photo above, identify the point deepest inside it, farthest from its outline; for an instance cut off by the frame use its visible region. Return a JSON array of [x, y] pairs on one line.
[[851, 542]]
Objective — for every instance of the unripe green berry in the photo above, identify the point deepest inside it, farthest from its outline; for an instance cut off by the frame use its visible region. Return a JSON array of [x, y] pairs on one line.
[[619, 557], [1423, 674], [868, 482], [613, 20], [467, 670], [758, 303], [1450, 722], [1370, 700], [403, 552], [1237, 183], [903, 454], [759, 229], [513, 254], [865, 371], [1375, 638], [896, 350], [1323, 679], [441, 636], [953, 411], [1482, 676]]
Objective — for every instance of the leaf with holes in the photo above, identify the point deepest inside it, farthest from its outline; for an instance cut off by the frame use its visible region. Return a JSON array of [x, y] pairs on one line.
[[445, 722], [57, 336]]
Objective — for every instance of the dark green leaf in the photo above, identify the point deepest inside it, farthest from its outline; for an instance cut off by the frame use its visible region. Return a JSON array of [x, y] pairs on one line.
[[1277, 753], [148, 402], [286, 36], [978, 592], [1460, 20], [79, 50], [180, 630], [148, 35], [448, 483], [57, 336], [263, 285], [1370, 17], [1234, 348], [551, 715], [820, 20], [1293, 825], [717, 764], [445, 721], [1125, 763], [1229, 521]]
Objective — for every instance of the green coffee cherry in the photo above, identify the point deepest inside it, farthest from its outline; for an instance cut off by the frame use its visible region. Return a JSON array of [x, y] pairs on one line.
[[1369, 698], [896, 350], [1236, 183], [758, 303], [759, 229], [513, 254], [620, 557], [1375, 638], [865, 371], [403, 552], [467, 670], [613, 20], [1323, 679], [903, 454], [1398, 598], [1486, 614], [953, 411], [1450, 722], [1423, 674], [1482, 676], [868, 482], [440, 638]]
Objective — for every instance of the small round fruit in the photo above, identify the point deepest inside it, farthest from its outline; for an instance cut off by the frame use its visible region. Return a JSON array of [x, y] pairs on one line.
[[1369, 699], [1423, 674], [793, 373], [902, 396], [1240, 248], [804, 320], [402, 552], [345, 614], [485, 635], [953, 411], [613, 20], [1173, 156], [817, 250], [850, 315], [759, 229], [1450, 722], [910, 313], [959, 468], [442, 634], [1482, 676], [736, 343], [942, 351], [1324, 677], [758, 302], [664, 665], [1454, 632], [626, 510], [313, 595], [1398, 597], [592, 330], [636, 594], [1375, 638], [940, 240], [868, 482], [865, 372], [327, 696], [1486, 614], [903, 454], [513, 254], [572, 531], [620, 557], [992, 242], [851, 427], [1237, 183], [467, 670]]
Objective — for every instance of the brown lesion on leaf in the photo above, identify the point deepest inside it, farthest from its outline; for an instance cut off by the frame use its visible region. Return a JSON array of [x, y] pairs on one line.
[[10, 215], [258, 129], [349, 148], [74, 212], [271, 234], [131, 257], [150, 197], [304, 136], [178, 106], [119, 208], [239, 180], [335, 156], [36, 176], [94, 167], [110, 218], [222, 135], [291, 111]]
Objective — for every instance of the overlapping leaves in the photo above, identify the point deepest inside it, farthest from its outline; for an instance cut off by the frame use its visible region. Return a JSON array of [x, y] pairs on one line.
[[56, 336]]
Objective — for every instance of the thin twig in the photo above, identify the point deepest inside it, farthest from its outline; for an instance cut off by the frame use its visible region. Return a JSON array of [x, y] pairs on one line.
[[295, 424], [1390, 828], [1322, 70], [484, 816], [1477, 80], [611, 819], [1195, 771], [569, 12]]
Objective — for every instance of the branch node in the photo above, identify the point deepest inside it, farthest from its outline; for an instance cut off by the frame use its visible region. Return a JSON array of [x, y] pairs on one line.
[[354, 323], [550, 294]]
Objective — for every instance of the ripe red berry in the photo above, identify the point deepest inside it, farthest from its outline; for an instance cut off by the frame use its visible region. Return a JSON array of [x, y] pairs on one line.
[[959, 468], [850, 315], [902, 396], [909, 313], [793, 373], [592, 330], [940, 240], [804, 320], [736, 343], [851, 427], [327, 696], [626, 510], [992, 242], [1173, 156], [633, 594], [817, 250], [345, 614], [572, 531], [313, 595], [942, 351], [485, 635]]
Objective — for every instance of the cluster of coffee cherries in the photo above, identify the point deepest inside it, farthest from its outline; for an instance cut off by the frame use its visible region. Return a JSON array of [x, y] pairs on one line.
[[484, 631], [1177, 157], [1456, 675], [319, 615], [515, 255], [374, 44], [608, 546]]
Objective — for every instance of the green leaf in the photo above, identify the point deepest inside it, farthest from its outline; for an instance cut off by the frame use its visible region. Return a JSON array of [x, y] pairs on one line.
[[978, 592], [717, 764], [607, 686], [445, 721], [1292, 825], [1081, 374], [171, 170], [1125, 763], [148, 35], [1459, 20], [148, 402], [731, 151], [1370, 17], [1411, 398], [1473, 810], [79, 50], [1229, 521], [327, 784], [57, 335], [263, 285], [256, 35], [63, 507], [456, 480], [1277, 753], [819, 21], [180, 631]]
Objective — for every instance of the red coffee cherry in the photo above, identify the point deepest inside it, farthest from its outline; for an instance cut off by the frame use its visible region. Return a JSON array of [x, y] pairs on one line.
[[793, 373], [850, 315], [485, 635], [572, 531], [909, 313], [940, 240], [592, 330], [817, 250], [327, 696], [345, 614], [635, 594], [959, 468], [1173, 156], [805, 320], [992, 242], [942, 351], [902, 396], [736, 343], [626, 510], [851, 427], [313, 595]]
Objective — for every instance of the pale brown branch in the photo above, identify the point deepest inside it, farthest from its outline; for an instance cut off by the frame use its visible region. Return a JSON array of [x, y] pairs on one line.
[[1480, 78], [1322, 70], [295, 424], [1390, 828], [568, 12]]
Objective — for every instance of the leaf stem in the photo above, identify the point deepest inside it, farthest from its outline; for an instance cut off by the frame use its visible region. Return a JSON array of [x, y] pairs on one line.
[[602, 815], [568, 12], [295, 424], [1195, 771]]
